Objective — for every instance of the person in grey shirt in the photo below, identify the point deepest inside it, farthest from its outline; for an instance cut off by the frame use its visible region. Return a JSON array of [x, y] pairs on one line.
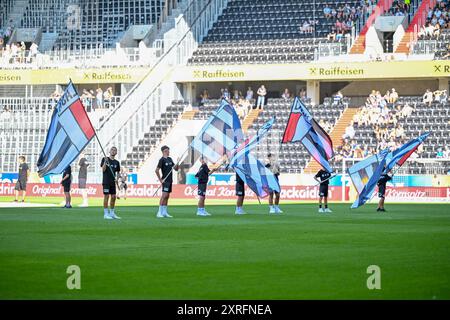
[[82, 178], [21, 184]]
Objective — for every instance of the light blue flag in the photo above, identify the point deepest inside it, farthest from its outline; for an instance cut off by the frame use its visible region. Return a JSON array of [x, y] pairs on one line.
[[70, 131], [250, 143], [400, 155], [369, 170], [258, 178], [220, 135]]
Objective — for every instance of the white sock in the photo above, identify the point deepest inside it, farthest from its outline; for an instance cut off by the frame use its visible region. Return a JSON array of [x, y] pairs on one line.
[[106, 211], [165, 209], [111, 212]]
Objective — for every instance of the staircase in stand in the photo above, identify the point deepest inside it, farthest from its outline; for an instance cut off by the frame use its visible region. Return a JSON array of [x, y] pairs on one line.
[[250, 119], [418, 21]]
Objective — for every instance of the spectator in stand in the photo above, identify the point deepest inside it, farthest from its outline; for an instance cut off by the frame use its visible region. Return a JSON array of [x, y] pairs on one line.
[[337, 98], [86, 98], [99, 98], [443, 98], [406, 111], [94, 101], [302, 94], [440, 153], [107, 96], [428, 97], [393, 97], [286, 94], [262, 92], [327, 12], [332, 35], [236, 95], [349, 132], [22, 50], [249, 95], [204, 97], [447, 152], [226, 94], [33, 52]]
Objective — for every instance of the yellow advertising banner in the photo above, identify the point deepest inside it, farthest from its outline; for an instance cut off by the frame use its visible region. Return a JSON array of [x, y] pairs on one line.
[[78, 76], [315, 71]]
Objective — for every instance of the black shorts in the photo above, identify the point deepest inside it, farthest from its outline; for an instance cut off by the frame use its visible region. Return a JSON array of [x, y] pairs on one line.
[[167, 187], [240, 189], [82, 183], [323, 190], [66, 187], [21, 185], [381, 192], [202, 189], [109, 189]]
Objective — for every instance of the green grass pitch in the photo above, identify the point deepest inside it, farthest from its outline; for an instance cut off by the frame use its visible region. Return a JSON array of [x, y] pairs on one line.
[[300, 254]]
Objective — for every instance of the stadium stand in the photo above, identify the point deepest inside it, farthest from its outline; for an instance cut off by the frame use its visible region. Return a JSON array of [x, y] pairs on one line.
[[24, 123], [156, 133], [379, 127], [434, 35], [278, 31], [80, 24]]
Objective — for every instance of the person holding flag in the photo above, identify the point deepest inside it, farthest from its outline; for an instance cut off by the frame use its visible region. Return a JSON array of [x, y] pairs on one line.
[[385, 177], [110, 167], [240, 193], [203, 175], [166, 166], [324, 177], [274, 166], [66, 182]]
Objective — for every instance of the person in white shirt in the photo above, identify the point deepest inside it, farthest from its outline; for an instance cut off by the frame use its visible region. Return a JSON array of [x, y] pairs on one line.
[[261, 97], [349, 132], [428, 97]]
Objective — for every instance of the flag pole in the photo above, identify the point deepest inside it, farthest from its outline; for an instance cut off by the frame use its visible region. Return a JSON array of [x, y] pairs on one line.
[[171, 171], [326, 180]]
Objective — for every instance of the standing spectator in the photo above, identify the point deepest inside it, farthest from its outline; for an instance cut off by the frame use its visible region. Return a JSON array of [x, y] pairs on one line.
[[94, 101], [337, 98], [22, 50], [249, 95], [204, 97], [86, 98], [33, 52], [107, 96], [261, 97], [226, 94], [286, 95], [99, 98]]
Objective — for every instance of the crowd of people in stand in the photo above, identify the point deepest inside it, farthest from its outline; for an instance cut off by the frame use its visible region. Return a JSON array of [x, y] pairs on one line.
[[92, 100], [17, 52], [244, 103], [438, 18], [382, 114], [345, 16]]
